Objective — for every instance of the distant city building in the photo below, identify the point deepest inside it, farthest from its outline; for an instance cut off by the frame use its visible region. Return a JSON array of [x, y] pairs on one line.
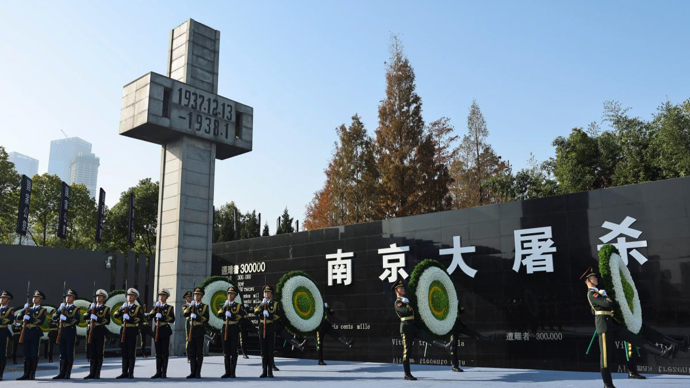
[[71, 159], [62, 154], [84, 169], [25, 165]]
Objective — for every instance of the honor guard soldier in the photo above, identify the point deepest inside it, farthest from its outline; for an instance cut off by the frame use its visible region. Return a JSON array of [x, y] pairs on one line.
[[98, 316], [67, 317], [31, 334], [187, 301], [162, 316], [267, 312], [409, 329], [6, 320], [131, 315], [462, 329], [327, 328], [232, 314], [197, 315], [609, 330]]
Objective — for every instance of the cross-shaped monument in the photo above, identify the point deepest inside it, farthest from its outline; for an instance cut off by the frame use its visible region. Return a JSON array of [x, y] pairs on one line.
[[183, 113]]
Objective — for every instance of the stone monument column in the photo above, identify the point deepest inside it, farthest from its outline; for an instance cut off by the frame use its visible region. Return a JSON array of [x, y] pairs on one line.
[[194, 125]]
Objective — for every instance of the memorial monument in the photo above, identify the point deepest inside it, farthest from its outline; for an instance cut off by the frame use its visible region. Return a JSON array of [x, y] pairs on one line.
[[195, 126]]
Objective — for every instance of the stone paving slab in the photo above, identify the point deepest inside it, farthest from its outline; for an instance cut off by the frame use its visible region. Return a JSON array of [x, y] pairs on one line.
[[299, 373]]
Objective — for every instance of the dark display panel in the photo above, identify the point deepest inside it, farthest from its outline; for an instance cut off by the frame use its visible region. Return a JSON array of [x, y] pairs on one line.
[[542, 319]]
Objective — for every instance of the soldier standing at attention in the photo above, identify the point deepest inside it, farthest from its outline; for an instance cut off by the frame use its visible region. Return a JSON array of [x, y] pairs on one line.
[[608, 330], [232, 313], [6, 320], [98, 314], [162, 315], [267, 312], [67, 316], [33, 319], [409, 329], [197, 315], [131, 315]]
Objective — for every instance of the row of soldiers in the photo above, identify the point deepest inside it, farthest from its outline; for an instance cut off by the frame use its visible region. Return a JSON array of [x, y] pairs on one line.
[[68, 316]]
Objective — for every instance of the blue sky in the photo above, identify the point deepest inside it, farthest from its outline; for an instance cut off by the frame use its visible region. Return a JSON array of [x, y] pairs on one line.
[[536, 68]]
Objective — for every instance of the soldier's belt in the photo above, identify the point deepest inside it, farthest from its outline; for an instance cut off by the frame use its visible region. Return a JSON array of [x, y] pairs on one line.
[[3, 326], [195, 323], [68, 325], [131, 324], [403, 319], [31, 326], [232, 322], [603, 313], [267, 321], [162, 323]]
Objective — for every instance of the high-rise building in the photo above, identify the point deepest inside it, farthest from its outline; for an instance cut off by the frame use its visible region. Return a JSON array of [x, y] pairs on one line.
[[62, 154], [84, 169], [25, 165]]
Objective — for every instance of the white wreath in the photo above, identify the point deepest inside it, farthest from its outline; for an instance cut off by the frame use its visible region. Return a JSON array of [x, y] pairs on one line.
[[209, 290], [437, 326], [113, 301], [289, 287], [82, 304], [633, 319]]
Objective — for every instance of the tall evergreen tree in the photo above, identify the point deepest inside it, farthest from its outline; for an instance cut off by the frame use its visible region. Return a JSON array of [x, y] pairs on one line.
[[286, 225], [9, 198], [399, 136], [265, 232]]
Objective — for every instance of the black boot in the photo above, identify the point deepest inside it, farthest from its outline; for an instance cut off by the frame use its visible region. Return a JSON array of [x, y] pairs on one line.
[[322, 363], [606, 376], [227, 362], [408, 372], [61, 375], [68, 369], [270, 370], [233, 367], [346, 342], [131, 368], [92, 370], [34, 366], [164, 368], [274, 367], [158, 368], [2, 367], [192, 368], [457, 369], [99, 365], [263, 367], [198, 367], [125, 373], [444, 345], [27, 370], [635, 375]]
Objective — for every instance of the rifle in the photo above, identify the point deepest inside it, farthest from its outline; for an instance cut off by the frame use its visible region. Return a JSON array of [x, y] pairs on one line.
[[191, 322], [226, 324], [21, 336], [158, 323], [93, 310], [124, 311], [59, 335], [265, 307]]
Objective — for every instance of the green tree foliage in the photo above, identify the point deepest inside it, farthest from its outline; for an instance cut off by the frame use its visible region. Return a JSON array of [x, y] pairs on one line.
[[286, 223], [9, 198], [145, 219]]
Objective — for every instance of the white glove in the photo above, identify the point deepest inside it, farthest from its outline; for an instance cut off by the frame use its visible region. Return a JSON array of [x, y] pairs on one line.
[[228, 314], [246, 306], [94, 317], [158, 304], [193, 316], [405, 300], [159, 316], [93, 306], [325, 305], [603, 292], [18, 323], [266, 313], [227, 303], [26, 317], [126, 316], [264, 301], [62, 307], [63, 317], [26, 305]]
